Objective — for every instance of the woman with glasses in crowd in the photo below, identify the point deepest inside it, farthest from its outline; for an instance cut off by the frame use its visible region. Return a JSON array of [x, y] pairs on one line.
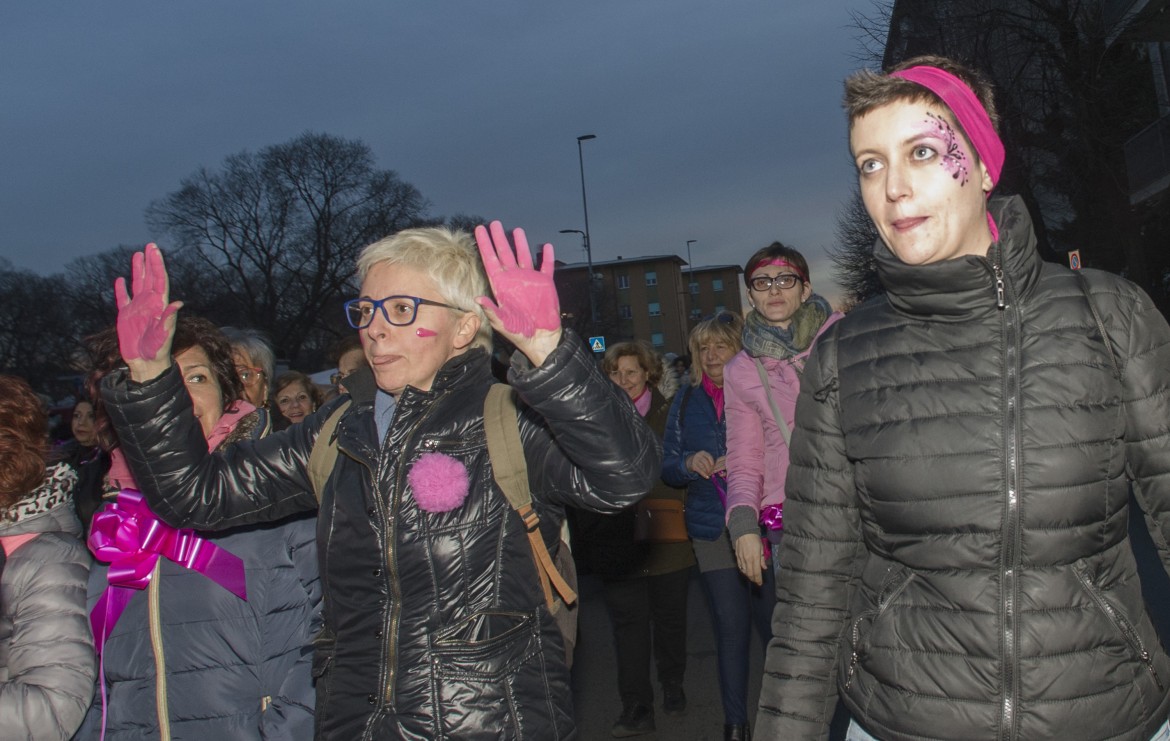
[[256, 367], [762, 382], [436, 622]]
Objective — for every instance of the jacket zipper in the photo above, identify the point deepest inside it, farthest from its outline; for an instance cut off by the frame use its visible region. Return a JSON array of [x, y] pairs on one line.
[[390, 639], [1009, 602], [883, 604], [160, 660], [1123, 625]]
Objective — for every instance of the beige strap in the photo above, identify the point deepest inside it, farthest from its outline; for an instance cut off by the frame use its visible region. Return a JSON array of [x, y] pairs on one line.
[[511, 473], [324, 454]]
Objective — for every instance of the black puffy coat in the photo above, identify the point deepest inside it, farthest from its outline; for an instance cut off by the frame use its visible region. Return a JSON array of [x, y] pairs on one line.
[[956, 559], [436, 623]]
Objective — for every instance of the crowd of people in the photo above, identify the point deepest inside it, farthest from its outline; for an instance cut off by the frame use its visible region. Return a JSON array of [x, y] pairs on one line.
[[920, 507]]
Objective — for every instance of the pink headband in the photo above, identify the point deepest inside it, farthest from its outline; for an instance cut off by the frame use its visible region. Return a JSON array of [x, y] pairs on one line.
[[969, 112], [778, 262]]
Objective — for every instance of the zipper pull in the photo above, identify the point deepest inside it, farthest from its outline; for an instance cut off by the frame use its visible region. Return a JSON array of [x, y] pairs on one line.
[[1000, 293], [852, 669]]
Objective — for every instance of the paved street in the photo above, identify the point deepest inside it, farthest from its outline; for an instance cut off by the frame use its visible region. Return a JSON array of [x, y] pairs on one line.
[[595, 673]]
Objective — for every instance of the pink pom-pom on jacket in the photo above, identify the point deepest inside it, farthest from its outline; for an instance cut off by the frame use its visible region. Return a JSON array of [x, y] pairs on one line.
[[439, 482]]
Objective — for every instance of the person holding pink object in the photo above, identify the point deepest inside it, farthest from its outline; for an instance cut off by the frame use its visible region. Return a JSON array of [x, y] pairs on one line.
[[956, 561], [436, 623], [762, 382]]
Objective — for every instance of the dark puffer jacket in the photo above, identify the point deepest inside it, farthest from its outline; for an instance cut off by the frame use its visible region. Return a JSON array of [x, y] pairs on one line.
[[693, 426], [955, 558], [436, 622], [234, 669]]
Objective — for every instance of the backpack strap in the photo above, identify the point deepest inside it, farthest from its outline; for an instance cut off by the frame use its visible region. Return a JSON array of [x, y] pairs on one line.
[[1084, 284], [784, 431], [500, 424], [324, 454]]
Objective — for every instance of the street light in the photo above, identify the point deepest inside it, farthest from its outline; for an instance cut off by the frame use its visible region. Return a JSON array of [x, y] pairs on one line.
[[588, 246], [583, 237], [691, 276]]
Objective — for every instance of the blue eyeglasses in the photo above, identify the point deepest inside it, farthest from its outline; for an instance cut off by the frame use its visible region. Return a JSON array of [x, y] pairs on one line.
[[398, 310]]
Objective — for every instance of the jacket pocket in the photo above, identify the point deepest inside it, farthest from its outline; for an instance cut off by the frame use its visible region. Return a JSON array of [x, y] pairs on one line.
[[324, 644], [489, 673], [859, 636], [1120, 623]]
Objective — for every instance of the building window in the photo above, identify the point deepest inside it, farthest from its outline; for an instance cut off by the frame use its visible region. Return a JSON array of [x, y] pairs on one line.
[[651, 278], [694, 289], [655, 309], [657, 339], [625, 312], [623, 281], [717, 284]]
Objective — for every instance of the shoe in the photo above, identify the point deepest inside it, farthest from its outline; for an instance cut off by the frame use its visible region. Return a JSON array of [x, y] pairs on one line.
[[737, 733], [635, 720], [674, 700]]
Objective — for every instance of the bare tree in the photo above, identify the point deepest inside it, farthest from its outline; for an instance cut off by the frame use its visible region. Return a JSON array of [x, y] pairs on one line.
[[37, 341], [276, 233]]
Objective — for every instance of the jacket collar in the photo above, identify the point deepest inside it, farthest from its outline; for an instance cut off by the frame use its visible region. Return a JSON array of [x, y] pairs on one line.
[[456, 372], [958, 289]]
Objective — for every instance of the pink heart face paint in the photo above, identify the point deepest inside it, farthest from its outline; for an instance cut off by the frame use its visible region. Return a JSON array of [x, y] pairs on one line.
[[953, 152], [424, 332]]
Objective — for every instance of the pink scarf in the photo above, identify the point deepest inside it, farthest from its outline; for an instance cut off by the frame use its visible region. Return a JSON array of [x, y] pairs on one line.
[[119, 475], [716, 394], [642, 403]]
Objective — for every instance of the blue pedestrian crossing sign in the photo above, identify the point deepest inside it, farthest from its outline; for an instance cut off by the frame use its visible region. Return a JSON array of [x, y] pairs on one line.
[[597, 344]]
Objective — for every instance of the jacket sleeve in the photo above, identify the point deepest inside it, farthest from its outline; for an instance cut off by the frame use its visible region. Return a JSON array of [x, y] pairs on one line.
[[51, 661], [1145, 342], [291, 713], [585, 443], [821, 557], [247, 482], [674, 452], [745, 444]]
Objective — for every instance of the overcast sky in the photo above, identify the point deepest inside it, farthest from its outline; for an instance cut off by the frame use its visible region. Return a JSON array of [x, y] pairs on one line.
[[717, 122]]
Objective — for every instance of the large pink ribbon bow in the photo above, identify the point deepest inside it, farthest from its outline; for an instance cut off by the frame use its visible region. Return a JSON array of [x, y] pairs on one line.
[[131, 538]]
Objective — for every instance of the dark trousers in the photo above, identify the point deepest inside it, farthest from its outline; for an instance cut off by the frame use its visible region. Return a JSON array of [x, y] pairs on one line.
[[638, 609], [736, 606]]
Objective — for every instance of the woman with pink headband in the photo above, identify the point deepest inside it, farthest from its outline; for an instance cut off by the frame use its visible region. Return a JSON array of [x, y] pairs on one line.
[[760, 388], [956, 562]]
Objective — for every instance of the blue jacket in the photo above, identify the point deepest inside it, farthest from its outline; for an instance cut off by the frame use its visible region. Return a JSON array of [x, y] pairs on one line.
[[697, 430]]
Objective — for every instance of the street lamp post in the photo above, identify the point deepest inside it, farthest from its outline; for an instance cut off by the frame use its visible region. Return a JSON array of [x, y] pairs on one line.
[[691, 276], [588, 246], [585, 247]]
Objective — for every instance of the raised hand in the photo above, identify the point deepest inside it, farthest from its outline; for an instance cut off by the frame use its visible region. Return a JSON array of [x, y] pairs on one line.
[[146, 320], [527, 310]]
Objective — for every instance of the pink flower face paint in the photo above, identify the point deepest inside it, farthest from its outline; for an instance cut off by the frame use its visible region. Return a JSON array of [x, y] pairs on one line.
[[424, 332], [953, 155]]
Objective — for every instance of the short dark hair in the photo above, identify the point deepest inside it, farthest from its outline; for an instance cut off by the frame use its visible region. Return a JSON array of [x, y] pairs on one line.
[[775, 251], [866, 89]]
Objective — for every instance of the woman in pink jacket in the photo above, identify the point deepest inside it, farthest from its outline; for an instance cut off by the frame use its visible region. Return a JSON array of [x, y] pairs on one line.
[[761, 384]]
